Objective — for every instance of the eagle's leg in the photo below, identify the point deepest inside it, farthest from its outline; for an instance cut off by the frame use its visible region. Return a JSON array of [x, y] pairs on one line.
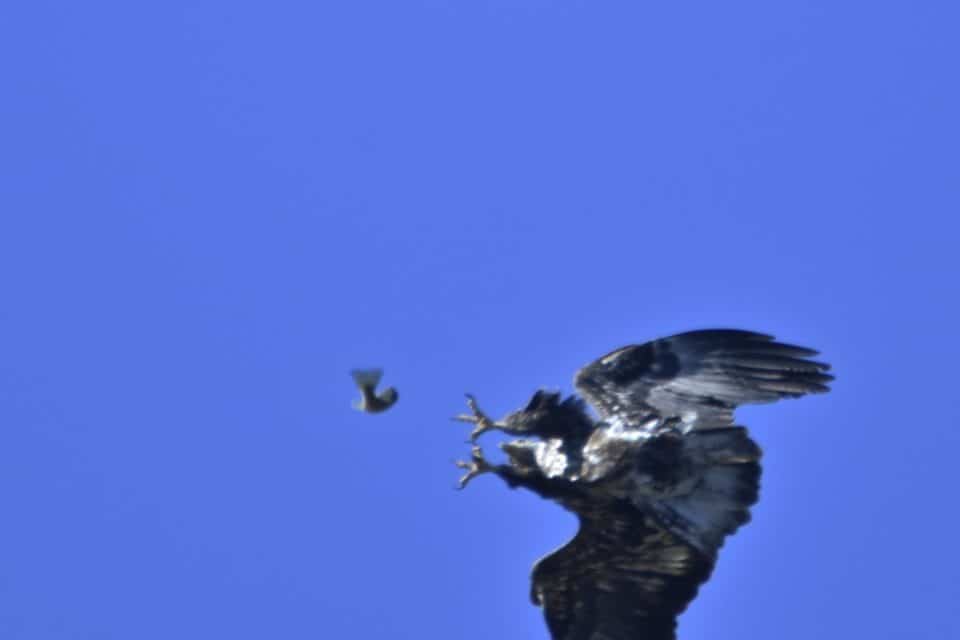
[[477, 417], [477, 466]]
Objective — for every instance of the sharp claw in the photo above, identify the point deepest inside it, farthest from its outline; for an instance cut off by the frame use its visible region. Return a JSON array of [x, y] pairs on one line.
[[472, 405], [477, 417], [465, 480], [480, 429], [477, 466]]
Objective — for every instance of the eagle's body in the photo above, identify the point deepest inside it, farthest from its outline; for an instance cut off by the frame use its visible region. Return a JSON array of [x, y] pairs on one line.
[[657, 483]]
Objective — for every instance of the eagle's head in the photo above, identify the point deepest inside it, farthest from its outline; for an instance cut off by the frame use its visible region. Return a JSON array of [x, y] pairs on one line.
[[521, 453], [548, 416], [549, 459]]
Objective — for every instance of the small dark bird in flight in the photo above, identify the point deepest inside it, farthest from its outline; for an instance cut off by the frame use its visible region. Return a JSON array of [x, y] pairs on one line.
[[657, 483], [370, 401]]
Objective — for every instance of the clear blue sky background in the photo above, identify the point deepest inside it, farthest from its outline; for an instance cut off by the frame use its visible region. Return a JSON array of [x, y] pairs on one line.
[[212, 210]]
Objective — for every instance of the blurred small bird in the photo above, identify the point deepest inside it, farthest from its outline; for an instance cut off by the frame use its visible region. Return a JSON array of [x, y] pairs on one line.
[[370, 401]]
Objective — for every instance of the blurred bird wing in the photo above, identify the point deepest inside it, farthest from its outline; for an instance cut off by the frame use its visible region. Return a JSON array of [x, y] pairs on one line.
[[367, 378], [698, 378]]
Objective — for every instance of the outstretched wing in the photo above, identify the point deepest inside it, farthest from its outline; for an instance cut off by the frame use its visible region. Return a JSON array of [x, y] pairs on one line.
[[698, 377], [620, 578]]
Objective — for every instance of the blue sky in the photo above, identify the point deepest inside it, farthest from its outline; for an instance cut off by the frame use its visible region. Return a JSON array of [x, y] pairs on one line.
[[213, 210]]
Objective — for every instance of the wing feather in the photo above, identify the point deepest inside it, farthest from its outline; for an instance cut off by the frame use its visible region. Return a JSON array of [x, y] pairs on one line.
[[699, 377], [620, 578]]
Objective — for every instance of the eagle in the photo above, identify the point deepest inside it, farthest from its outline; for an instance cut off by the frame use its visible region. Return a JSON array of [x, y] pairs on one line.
[[657, 483]]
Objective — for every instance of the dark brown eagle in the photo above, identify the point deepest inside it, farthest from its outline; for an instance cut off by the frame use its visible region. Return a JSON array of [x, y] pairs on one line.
[[658, 482]]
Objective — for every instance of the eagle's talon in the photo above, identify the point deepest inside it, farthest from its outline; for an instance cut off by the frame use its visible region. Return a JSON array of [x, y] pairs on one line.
[[477, 417], [478, 465]]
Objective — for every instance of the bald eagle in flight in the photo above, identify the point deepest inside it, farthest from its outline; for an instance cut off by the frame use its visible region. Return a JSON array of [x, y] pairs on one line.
[[657, 483]]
